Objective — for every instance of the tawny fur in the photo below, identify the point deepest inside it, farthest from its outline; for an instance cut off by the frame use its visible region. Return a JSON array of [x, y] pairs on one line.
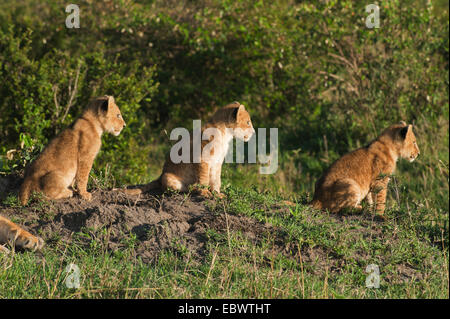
[[16, 236], [179, 176], [365, 172], [68, 158]]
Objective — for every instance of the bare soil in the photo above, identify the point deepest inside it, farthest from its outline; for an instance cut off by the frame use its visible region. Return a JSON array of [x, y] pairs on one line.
[[166, 221], [158, 221]]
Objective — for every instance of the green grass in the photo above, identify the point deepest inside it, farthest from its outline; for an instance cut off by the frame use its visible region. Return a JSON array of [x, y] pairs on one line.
[[329, 90], [321, 256]]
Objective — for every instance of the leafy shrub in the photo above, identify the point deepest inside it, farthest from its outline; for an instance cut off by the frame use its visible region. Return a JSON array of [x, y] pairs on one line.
[[311, 68], [41, 97]]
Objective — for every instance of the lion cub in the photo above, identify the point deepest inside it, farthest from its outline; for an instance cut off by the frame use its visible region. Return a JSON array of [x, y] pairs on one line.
[[230, 121], [68, 158], [365, 172], [10, 232]]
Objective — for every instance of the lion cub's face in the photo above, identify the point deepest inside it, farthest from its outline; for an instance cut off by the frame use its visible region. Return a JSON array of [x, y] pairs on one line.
[[111, 117], [408, 144], [242, 124]]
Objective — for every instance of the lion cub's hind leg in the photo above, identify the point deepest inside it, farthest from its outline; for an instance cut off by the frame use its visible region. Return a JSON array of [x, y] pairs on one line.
[[346, 194], [181, 184], [56, 185], [171, 181]]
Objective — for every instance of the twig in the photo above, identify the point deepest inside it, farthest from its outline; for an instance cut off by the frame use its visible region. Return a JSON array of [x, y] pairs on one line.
[[74, 92], [55, 91]]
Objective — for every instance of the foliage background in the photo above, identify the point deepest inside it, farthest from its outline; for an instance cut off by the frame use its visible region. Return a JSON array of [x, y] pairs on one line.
[[311, 68]]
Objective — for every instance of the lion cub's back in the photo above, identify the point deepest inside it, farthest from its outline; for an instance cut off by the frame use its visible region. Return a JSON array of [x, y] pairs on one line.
[[355, 165], [62, 151]]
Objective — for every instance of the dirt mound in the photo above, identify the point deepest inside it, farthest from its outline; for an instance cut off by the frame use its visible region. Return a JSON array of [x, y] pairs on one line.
[[157, 221], [154, 222]]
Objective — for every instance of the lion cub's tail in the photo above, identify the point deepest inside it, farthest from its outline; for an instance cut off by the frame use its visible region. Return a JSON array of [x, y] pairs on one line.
[[142, 189], [314, 204], [25, 190]]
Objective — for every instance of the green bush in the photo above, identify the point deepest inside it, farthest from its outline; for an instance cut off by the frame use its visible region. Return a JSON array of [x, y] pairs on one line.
[[41, 97], [311, 68]]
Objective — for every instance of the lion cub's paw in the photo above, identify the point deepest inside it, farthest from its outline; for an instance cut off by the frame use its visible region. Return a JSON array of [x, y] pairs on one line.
[[27, 241], [204, 193], [67, 193], [219, 195], [129, 191], [86, 196]]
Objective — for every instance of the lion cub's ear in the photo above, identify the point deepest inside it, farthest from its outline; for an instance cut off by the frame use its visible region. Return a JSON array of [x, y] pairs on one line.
[[405, 130], [237, 112], [111, 99], [104, 106]]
